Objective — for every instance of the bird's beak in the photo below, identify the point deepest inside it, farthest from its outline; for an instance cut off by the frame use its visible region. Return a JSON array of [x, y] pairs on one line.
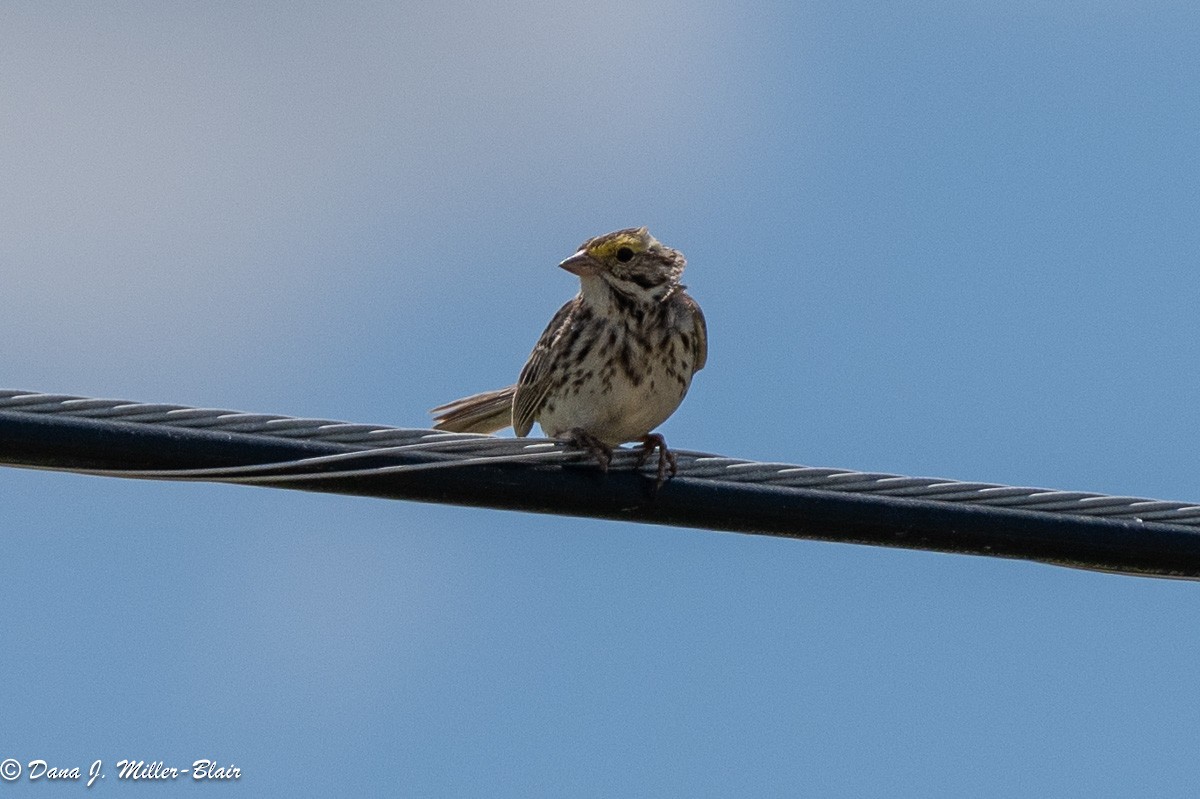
[[582, 264]]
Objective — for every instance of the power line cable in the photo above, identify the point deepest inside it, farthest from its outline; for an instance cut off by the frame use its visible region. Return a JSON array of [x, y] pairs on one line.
[[170, 442]]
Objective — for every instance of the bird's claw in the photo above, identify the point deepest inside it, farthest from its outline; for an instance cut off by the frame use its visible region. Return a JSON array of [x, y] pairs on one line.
[[598, 449], [667, 464]]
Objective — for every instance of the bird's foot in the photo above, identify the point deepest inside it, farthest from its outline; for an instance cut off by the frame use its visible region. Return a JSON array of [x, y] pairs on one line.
[[667, 465], [582, 439]]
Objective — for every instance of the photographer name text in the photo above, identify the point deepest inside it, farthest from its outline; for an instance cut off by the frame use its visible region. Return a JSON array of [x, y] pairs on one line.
[[202, 770]]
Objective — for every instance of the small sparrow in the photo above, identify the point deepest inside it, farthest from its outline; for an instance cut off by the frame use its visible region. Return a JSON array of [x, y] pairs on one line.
[[613, 364]]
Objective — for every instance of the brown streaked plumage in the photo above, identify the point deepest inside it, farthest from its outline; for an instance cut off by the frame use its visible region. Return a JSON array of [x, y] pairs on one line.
[[615, 361]]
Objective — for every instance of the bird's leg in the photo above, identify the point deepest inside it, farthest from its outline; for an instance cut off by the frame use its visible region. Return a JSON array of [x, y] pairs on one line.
[[667, 465], [602, 452]]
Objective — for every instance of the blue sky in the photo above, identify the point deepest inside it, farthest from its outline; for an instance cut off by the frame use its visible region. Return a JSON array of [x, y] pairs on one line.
[[931, 238]]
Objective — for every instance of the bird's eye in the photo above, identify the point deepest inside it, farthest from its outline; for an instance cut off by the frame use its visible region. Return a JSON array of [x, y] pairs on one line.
[[624, 254]]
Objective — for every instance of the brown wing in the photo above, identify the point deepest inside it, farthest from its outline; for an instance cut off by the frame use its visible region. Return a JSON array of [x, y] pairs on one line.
[[534, 381], [699, 330]]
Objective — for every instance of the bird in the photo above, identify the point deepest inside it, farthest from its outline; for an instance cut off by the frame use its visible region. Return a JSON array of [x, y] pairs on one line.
[[613, 364]]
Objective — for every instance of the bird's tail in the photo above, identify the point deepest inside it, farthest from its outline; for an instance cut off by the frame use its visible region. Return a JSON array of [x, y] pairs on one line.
[[479, 413]]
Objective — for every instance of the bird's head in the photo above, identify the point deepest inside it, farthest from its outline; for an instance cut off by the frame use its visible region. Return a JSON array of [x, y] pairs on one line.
[[630, 262]]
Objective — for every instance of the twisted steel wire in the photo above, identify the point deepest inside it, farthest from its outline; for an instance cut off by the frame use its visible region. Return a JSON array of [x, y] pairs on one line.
[[312, 452], [691, 464]]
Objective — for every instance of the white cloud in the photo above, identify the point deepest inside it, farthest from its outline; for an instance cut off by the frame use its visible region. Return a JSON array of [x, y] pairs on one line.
[[219, 174]]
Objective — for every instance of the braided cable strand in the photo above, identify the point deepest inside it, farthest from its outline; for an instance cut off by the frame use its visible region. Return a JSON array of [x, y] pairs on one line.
[[691, 464], [173, 442]]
